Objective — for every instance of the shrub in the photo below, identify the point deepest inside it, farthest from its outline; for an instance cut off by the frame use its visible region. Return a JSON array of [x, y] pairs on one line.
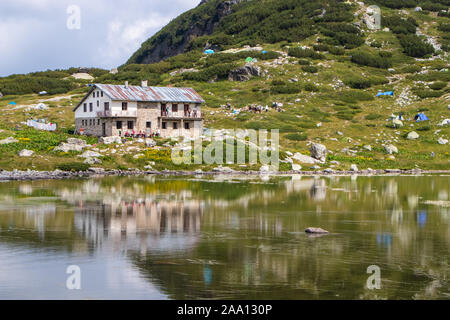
[[73, 166], [357, 83], [305, 53], [367, 59], [320, 47], [310, 69], [288, 88], [337, 51], [296, 136], [424, 93], [414, 46], [311, 87], [438, 85], [373, 116], [304, 62]]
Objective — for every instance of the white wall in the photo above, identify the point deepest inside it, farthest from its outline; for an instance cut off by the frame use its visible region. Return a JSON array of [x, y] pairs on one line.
[[92, 98]]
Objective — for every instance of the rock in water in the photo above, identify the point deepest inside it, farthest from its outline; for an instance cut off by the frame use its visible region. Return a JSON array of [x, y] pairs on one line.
[[318, 151], [413, 135], [315, 230]]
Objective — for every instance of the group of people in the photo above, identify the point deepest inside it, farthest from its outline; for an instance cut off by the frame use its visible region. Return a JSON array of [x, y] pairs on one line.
[[140, 134]]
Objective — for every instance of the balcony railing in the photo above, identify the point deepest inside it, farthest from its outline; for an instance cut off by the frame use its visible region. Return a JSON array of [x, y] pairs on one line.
[[116, 114], [188, 114]]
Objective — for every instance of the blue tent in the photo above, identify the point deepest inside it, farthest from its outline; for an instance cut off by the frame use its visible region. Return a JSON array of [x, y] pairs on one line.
[[387, 93], [264, 52], [12, 102], [421, 117], [209, 51]]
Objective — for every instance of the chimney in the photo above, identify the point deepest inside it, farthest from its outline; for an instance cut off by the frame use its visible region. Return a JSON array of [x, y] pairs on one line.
[[126, 84], [144, 83]]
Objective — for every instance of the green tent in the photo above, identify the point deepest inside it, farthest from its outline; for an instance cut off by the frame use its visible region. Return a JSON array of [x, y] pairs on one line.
[[249, 59]]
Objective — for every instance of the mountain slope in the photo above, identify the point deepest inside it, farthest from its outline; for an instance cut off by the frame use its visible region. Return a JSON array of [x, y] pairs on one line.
[[174, 38]]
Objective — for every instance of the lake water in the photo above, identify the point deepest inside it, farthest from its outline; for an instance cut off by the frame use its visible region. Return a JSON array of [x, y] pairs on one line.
[[226, 237]]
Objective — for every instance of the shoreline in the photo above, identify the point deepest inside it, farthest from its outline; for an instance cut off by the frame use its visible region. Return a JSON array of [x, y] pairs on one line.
[[29, 175]]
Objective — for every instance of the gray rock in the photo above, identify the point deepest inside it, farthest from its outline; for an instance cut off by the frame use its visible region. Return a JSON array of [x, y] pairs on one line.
[[26, 153], [80, 142], [315, 230], [91, 160], [442, 141], [97, 170], [110, 140], [304, 159], [66, 147], [413, 135], [244, 73], [318, 151], [223, 169], [296, 167], [354, 168], [390, 149], [264, 168], [368, 147], [90, 154], [150, 143], [8, 140], [316, 167]]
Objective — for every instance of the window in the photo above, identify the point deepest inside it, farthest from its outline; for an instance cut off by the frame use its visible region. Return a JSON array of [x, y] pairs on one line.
[[90, 121], [174, 108], [98, 122], [163, 125], [98, 94], [102, 94], [148, 124], [98, 103], [175, 125], [106, 106], [91, 108], [186, 125], [85, 107], [130, 125], [119, 124], [124, 106]]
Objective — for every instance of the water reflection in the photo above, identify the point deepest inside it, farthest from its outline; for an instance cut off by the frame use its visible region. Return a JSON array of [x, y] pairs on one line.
[[240, 237]]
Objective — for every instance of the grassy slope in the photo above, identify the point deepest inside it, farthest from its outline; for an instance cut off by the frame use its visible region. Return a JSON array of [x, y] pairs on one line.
[[329, 106]]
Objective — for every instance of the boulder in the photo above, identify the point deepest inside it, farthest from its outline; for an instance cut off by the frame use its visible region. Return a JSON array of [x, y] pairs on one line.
[[80, 142], [444, 122], [150, 143], [97, 170], [315, 230], [264, 168], [223, 169], [367, 147], [304, 159], [354, 168], [318, 151], [296, 167], [26, 153], [442, 141], [244, 73], [8, 140], [91, 160], [90, 154], [110, 140], [390, 149], [66, 147], [413, 135]]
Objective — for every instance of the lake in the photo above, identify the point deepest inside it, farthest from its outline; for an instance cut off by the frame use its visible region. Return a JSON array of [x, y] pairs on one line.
[[226, 237]]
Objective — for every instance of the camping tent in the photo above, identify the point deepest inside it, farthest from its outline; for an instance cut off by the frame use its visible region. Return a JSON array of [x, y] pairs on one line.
[[209, 51], [421, 117], [387, 93], [13, 103], [264, 52], [249, 59]]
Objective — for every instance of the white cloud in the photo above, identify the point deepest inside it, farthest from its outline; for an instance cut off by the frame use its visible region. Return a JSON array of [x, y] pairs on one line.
[[34, 36]]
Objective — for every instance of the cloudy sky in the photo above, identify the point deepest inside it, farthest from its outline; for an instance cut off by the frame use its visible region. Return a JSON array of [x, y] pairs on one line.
[[38, 35]]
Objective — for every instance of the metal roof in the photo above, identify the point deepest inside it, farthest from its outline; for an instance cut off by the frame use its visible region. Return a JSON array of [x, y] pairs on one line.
[[150, 94]]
